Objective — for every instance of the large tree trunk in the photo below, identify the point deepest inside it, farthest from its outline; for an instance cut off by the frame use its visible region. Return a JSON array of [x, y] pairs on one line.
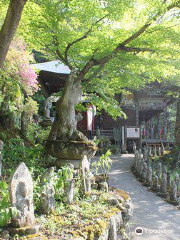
[[177, 125], [64, 127], [9, 27]]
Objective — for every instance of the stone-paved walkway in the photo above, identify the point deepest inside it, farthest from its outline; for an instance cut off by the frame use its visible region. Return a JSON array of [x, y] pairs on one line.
[[150, 211]]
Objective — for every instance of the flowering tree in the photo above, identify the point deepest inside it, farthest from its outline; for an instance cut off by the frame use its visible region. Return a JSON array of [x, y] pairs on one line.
[[17, 71]]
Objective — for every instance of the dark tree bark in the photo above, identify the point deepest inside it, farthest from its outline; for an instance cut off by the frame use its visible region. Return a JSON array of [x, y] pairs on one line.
[[177, 125], [9, 27]]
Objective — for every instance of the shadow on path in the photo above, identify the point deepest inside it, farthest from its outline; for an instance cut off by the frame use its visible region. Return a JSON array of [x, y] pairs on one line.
[[151, 213]]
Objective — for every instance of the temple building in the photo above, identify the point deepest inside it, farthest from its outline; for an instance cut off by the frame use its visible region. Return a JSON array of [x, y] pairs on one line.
[[146, 111]]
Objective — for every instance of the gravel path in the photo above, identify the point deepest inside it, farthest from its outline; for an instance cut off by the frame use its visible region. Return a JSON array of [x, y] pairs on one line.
[[158, 219]]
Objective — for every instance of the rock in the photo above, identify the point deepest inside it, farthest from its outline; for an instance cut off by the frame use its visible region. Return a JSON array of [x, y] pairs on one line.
[[103, 186], [5, 235]]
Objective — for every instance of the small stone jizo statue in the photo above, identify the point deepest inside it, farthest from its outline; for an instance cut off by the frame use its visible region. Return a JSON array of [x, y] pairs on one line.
[[47, 205]]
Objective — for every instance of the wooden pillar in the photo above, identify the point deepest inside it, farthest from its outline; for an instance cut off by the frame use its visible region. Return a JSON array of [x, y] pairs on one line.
[[152, 128], [159, 126], [137, 113], [147, 130], [165, 120]]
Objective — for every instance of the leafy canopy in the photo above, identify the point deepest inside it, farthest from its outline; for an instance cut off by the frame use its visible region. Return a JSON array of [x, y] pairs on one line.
[[114, 43]]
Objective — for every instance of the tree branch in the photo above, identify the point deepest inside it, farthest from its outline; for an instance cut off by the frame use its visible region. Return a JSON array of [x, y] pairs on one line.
[[83, 37], [121, 47]]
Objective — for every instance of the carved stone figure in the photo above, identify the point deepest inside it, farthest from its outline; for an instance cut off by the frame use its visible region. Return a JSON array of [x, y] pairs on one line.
[[21, 196], [159, 150], [47, 108], [168, 147], [149, 176], [153, 165], [162, 150], [86, 175], [173, 193], [150, 151], [159, 170], [5, 106], [1, 148], [168, 179], [164, 169], [163, 187], [69, 186], [145, 153], [135, 159], [24, 122], [98, 133], [139, 165], [155, 186], [47, 196], [177, 180], [134, 147], [140, 154], [155, 151], [144, 171]]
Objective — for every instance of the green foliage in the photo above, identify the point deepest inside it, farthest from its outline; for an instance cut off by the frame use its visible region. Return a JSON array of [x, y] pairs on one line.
[[5, 207], [15, 152], [103, 165], [36, 133]]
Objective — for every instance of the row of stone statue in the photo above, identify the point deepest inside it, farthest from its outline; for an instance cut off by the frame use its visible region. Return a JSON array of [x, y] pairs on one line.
[[8, 119], [156, 177], [152, 150], [21, 197]]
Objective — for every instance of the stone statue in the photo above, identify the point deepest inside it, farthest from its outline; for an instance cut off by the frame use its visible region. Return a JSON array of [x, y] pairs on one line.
[[168, 147], [47, 108], [159, 170], [155, 186], [150, 151], [145, 153], [24, 122], [86, 175], [162, 150], [98, 133], [149, 176], [47, 201], [153, 165], [21, 197], [163, 187], [1, 148], [134, 147], [141, 171], [177, 180], [164, 169], [144, 171], [173, 193], [69, 185], [159, 150], [138, 166], [155, 151], [5, 105], [168, 179], [135, 159], [79, 117], [140, 154]]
